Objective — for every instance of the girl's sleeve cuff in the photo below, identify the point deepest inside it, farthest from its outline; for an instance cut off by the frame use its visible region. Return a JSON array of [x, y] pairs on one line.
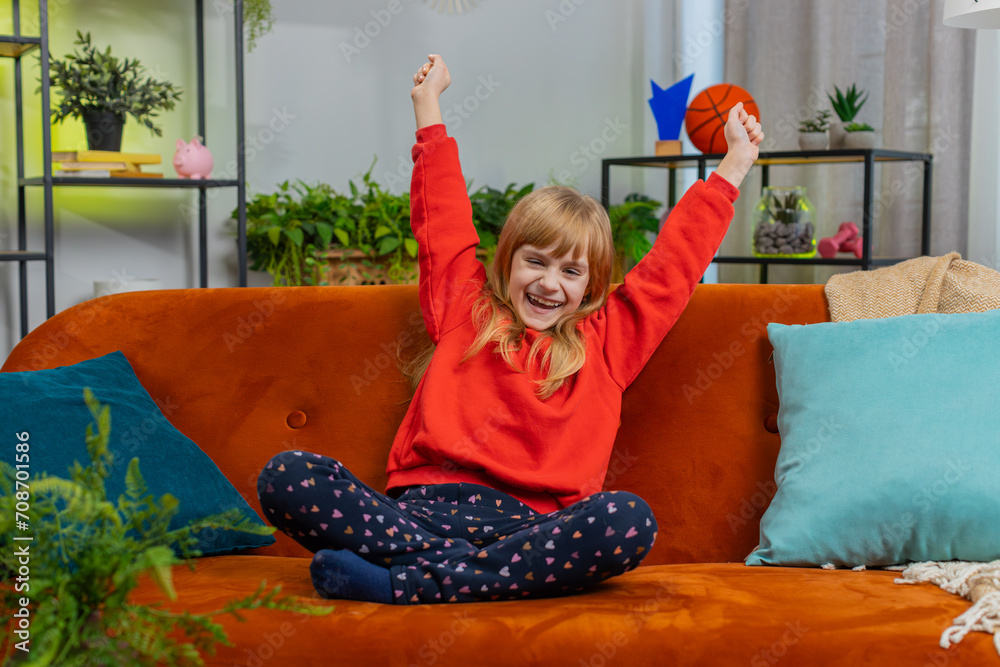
[[723, 186], [432, 132]]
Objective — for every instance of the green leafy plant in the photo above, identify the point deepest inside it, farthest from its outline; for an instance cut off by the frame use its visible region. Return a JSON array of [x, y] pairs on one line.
[[258, 19], [847, 104], [285, 229], [818, 123], [91, 80], [858, 127], [87, 554], [289, 230], [632, 223]]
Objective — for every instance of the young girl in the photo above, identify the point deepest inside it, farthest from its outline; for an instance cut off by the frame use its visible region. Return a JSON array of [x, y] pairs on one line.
[[495, 475]]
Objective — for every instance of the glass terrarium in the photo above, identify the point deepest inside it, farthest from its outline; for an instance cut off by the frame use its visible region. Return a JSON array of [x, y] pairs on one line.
[[783, 224]]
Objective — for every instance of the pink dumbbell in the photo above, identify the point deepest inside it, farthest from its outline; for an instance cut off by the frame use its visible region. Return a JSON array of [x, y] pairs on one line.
[[847, 239]]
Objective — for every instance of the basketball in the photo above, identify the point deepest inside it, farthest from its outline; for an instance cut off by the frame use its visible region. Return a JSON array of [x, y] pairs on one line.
[[705, 119]]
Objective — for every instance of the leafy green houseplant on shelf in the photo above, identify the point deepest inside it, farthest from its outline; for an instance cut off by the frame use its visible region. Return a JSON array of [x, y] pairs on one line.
[[814, 132], [313, 235], [102, 90], [633, 222], [88, 553], [846, 104]]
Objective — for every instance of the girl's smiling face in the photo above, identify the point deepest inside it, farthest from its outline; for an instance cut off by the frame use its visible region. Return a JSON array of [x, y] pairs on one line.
[[543, 287]]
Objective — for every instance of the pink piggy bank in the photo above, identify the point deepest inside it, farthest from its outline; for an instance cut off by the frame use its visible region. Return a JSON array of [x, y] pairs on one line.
[[192, 160]]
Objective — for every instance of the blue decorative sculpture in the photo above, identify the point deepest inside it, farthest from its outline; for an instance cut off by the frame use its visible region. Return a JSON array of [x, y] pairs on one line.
[[668, 108]]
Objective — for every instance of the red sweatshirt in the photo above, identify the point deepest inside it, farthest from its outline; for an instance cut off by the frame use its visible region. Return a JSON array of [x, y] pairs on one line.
[[481, 421]]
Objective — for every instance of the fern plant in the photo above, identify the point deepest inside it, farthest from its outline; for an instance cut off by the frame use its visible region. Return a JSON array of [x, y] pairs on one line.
[[87, 554]]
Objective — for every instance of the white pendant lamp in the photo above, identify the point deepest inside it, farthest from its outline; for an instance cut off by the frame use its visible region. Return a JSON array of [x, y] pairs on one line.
[[972, 13]]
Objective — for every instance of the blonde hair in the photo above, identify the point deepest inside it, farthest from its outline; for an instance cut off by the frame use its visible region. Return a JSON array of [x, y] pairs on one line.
[[573, 223]]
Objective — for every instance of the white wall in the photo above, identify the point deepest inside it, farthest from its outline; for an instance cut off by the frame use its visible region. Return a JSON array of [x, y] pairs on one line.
[[568, 86], [984, 174]]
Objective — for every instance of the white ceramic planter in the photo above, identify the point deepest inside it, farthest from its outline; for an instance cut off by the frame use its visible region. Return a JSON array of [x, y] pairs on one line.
[[860, 139], [814, 141]]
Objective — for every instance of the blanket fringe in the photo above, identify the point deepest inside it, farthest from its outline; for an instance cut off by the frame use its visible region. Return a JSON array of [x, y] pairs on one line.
[[977, 582]]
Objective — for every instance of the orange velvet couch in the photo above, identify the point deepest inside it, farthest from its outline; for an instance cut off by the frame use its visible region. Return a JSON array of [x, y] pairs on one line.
[[251, 372]]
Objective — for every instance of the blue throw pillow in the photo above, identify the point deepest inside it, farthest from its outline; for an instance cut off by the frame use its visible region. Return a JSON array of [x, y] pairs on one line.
[[48, 405], [890, 442]]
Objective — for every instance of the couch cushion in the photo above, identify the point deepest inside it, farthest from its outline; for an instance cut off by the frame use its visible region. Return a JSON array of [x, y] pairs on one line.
[[49, 406], [889, 442], [721, 614]]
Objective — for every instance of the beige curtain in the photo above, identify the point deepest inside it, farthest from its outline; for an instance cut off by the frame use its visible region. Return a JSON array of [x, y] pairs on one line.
[[919, 73]]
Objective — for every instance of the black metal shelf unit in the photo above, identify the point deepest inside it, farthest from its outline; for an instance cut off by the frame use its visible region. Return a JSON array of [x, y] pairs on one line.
[[868, 156], [16, 46]]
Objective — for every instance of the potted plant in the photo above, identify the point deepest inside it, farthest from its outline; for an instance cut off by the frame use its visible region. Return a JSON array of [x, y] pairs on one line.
[[814, 133], [313, 235], [286, 228], [102, 90], [783, 224], [846, 105], [859, 135], [633, 223], [373, 242]]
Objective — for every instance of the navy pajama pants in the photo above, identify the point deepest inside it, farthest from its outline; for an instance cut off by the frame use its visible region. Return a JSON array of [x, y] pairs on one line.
[[456, 542]]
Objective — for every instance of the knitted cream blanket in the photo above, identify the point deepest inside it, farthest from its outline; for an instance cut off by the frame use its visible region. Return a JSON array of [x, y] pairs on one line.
[[946, 284]]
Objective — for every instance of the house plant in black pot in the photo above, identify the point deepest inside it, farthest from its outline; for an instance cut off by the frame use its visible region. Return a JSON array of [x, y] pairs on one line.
[[102, 90]]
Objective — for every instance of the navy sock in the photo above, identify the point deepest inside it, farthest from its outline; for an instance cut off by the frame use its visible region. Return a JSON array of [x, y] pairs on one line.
[[345, 575]]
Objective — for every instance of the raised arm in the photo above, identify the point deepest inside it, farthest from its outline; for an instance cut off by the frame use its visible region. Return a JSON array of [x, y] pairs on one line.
[[641, 312], [440, 212]]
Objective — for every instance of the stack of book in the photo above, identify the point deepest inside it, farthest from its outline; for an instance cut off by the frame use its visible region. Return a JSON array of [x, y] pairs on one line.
[[103, 164]]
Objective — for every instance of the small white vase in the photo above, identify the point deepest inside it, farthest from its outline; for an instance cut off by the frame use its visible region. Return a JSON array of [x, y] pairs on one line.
[[814, 141], [860, 139]]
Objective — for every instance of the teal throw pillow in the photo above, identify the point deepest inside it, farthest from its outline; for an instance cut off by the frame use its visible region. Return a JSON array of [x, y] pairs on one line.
[[890, 442], [48, 405]]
